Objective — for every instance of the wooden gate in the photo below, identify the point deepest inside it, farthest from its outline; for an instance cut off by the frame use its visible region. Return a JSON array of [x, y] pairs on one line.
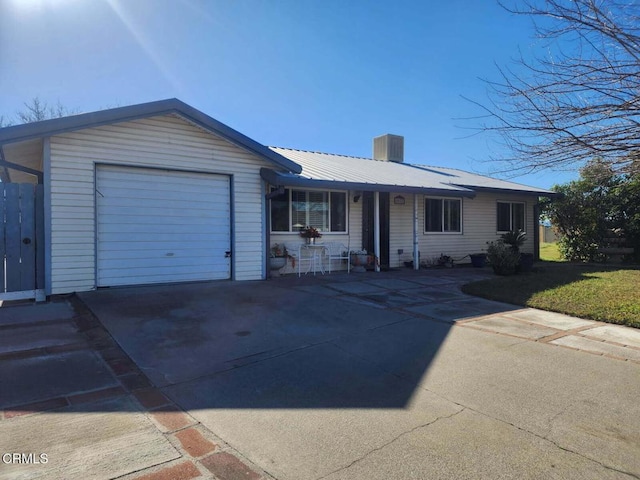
[[21, 241]]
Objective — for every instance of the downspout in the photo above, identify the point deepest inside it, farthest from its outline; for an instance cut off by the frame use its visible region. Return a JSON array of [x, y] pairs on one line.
[[46, 174], [266, 272], [416, 253], [376, 229]]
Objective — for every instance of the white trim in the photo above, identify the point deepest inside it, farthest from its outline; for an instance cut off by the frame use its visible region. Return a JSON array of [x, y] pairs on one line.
[[306, 190], [46, 179], [38, 295], [511, 202], [457, 232]]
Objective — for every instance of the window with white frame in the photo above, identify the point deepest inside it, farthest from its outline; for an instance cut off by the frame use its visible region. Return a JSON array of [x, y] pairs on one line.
[[295, 209], [510, 216], [442, 215]]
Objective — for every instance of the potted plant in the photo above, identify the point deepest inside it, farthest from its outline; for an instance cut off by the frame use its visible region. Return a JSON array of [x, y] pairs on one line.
[[310, 234], [445, 261], [478, 260], [278, 258], [515, 239], [359, 260]]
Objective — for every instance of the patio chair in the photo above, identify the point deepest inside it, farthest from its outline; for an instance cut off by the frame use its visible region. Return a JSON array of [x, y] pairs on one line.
[[337, 251]]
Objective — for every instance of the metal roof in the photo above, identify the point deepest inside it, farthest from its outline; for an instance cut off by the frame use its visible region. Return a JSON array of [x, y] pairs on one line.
[[339, 171], [57, 126], [481, 182], [330, 170]]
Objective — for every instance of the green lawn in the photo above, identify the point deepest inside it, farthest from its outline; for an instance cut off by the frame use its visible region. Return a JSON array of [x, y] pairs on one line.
[[599, 293], [549, 252]]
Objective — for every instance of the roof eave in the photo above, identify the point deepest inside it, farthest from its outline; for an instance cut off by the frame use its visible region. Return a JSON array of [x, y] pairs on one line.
[[534, 193], [57, 126], [278, 179]]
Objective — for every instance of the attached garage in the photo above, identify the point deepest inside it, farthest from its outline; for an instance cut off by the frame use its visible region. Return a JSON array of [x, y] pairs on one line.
[[158, 226]]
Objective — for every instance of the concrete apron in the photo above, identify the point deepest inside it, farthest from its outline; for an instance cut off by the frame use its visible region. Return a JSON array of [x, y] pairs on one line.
[[387, 376]]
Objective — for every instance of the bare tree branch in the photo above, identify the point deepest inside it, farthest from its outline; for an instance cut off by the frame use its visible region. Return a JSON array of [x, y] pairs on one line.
[[580, 100]]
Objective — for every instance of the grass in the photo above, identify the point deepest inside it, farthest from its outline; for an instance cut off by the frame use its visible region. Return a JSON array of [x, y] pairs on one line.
[[549, 252], [607, 294]]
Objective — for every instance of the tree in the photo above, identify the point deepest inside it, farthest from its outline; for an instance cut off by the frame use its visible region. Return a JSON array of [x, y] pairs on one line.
[[580, 100], [36, 110], [590, 208]]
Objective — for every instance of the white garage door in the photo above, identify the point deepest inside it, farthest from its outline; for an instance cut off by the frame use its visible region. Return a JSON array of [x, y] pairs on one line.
[[157, 226]]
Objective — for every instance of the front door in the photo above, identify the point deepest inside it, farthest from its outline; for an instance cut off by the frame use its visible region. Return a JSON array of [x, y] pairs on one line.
[[368, 220]]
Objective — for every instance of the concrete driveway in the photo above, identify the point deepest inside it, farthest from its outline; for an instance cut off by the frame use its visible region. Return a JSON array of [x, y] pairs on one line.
[[395, 375]]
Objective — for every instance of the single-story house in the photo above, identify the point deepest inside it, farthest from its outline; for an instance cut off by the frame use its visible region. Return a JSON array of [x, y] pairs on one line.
[[161, 192]]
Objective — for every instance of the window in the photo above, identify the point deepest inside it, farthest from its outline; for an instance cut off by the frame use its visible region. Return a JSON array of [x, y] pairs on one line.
[[510, 216], [295, 209], [443, 215]]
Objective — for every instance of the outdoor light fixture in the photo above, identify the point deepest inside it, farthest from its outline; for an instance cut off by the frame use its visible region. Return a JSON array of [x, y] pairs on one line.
[[356, 198], [398, 200]]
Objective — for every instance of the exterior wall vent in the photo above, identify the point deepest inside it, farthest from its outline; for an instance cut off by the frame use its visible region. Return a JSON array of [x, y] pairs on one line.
[[389, 148]]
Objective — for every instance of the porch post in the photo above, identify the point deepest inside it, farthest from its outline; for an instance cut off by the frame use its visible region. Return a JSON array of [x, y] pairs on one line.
[[376, 229], [416, 253]]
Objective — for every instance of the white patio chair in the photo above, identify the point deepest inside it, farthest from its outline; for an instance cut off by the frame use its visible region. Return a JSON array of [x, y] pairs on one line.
[[337, 251], [305, 259]]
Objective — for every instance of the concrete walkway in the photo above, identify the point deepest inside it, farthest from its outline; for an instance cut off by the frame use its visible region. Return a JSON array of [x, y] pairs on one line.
[[74, 406], [396, 375]]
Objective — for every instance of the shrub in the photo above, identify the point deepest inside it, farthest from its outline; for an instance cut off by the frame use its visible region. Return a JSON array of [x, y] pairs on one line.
[[503, 258], [515, 239]]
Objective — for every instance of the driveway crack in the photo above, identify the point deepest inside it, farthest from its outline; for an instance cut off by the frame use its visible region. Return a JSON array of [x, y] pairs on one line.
[[556, 444], [393, 440]]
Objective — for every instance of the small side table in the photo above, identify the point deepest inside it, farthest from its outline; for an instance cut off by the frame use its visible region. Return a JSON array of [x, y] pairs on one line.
[[316, 254]]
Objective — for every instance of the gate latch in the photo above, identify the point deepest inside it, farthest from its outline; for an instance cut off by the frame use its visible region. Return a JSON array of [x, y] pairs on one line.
[[227, 254], [26, 240]]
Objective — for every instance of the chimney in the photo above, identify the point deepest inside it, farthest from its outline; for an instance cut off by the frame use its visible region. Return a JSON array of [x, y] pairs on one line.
[[389, 148]]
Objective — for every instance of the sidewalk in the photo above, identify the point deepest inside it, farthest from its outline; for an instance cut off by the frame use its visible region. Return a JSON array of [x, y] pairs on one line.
[[440, 299], [74, 406]]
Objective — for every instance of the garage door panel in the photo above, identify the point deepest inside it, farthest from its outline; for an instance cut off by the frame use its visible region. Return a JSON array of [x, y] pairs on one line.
[[112, 215], [157, 226], [128, 253], [156, 193], [143, 231], [147, 176]]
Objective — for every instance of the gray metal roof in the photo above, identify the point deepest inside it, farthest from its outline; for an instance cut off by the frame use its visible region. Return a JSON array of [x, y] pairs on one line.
[[58, 126], [339, 171], [481, 182], [326, 170]]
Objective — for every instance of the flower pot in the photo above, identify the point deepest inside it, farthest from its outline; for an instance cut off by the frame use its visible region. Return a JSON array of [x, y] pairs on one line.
[[359, 262], [526, 262], [478, 260], [275, 264]]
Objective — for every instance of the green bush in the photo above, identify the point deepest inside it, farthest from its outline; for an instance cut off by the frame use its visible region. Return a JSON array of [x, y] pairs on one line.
[[589, 208], [503, 258]]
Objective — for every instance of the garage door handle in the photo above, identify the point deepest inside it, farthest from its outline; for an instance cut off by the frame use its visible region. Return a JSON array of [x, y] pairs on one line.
[[227, 254]]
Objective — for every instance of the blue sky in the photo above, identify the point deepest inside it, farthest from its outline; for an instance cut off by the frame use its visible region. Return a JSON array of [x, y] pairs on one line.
[[324, 75]]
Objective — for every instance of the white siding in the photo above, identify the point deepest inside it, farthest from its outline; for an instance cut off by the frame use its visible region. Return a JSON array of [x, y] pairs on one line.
[[28, 154], [166, 142], [353, 238], [478, 228]]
